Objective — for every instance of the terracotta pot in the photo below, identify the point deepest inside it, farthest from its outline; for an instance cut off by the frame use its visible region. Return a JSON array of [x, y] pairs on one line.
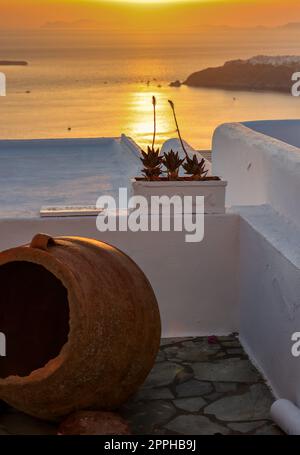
[[82, 326]]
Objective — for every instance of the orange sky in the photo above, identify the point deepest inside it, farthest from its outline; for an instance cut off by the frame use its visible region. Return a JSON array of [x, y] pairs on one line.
[[121, 14]]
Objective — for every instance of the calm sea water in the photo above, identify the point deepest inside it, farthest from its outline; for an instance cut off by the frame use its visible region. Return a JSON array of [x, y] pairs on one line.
[[84, 86]]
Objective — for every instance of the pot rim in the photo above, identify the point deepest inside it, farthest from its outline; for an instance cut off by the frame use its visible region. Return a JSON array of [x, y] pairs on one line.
[[179, 183]]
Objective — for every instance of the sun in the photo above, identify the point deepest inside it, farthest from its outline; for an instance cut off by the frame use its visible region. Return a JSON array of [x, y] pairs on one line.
[[162, 2], [157, 2], [152, 1]]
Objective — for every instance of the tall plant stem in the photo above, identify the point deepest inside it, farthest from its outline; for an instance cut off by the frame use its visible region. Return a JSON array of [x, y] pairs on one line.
[[177, 127], [154, 118]]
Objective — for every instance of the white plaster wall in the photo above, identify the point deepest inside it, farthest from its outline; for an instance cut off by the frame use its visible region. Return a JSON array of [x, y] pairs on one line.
[[196, 284], [270, 298], [261, 161], [237, 159], [259, 169]]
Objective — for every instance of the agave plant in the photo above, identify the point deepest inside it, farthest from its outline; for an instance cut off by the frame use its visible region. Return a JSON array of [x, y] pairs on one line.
[[151, 159], [152, 163], [195, 168], [172, 163]]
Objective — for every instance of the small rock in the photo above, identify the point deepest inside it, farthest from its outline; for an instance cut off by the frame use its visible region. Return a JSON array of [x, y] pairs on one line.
[[190, 404], [175, 84], [94, 423], [195, 425]]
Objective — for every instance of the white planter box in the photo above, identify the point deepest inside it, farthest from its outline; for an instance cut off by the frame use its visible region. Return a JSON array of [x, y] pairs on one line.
[[212, 190]]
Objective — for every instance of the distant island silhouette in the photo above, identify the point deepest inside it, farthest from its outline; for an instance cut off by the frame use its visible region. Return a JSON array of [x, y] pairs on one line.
[[13, 63], [257, 73]]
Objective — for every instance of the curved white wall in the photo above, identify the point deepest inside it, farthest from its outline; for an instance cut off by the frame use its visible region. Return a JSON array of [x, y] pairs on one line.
[[270, 296], [261, 161], [259, 169]]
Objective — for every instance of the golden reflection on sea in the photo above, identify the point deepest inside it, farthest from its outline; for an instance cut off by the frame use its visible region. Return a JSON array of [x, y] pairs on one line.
[[139, 120]]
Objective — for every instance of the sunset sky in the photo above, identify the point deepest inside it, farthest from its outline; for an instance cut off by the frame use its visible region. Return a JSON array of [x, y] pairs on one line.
[[121, 14]]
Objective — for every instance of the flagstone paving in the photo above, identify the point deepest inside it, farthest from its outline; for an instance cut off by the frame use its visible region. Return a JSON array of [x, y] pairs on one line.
[[198, 386], [202, 386]]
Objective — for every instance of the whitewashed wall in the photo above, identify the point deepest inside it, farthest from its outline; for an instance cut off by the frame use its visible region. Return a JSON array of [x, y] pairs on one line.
[[263, 174], [259, 169], [270, 298], [196, 284]]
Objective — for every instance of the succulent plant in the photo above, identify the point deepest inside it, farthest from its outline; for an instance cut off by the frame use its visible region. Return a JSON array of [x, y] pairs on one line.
[[152, 174], [172, 163], [152, 163], [195, 168], [151, 158]]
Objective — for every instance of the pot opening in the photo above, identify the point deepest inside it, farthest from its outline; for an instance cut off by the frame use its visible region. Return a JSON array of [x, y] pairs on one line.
[[34, 317]]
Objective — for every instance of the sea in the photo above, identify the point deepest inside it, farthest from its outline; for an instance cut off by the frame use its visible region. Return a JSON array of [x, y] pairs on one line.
[[85, 84]]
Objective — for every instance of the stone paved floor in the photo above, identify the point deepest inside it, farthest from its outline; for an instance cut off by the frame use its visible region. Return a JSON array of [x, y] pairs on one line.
[[198, 386]]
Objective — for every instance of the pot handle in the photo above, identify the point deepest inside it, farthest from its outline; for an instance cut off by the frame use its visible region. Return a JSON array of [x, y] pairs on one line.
[[42, 242]]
